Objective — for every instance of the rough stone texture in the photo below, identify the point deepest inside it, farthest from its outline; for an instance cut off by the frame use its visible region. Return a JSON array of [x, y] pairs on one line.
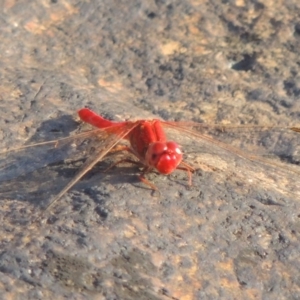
[[110, 237]]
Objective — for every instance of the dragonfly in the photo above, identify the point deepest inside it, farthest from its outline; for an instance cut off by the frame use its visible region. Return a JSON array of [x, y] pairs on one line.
[[149, 147]]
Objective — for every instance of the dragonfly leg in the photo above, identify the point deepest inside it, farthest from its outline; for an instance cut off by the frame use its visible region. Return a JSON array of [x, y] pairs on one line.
[[119, 148], [127, 160], [146, 181], [188, 168]]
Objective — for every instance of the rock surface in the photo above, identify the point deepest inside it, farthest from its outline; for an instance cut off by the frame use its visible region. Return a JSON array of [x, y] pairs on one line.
[[110, 237]]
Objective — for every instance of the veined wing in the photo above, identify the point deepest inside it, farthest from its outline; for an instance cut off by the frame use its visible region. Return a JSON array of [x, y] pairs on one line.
[[112, 140], [18, 161], [93, 144], [267, 157]]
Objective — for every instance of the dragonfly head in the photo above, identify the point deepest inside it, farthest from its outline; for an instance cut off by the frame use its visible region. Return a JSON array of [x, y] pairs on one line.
[[165, 157]]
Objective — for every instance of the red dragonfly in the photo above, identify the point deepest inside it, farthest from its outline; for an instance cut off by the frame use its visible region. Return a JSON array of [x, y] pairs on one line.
[[148, 143]]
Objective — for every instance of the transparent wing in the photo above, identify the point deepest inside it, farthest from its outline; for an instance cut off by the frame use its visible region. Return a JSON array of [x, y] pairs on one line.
[[259, 158], [15, 162], [20, 166], [111, 141]]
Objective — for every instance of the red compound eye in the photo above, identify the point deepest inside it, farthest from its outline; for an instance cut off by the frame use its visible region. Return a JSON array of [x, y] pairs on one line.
[[165, 157]]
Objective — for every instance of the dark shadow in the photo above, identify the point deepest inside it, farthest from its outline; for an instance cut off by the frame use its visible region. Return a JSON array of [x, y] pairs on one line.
[[246, 64], [36, 174]]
